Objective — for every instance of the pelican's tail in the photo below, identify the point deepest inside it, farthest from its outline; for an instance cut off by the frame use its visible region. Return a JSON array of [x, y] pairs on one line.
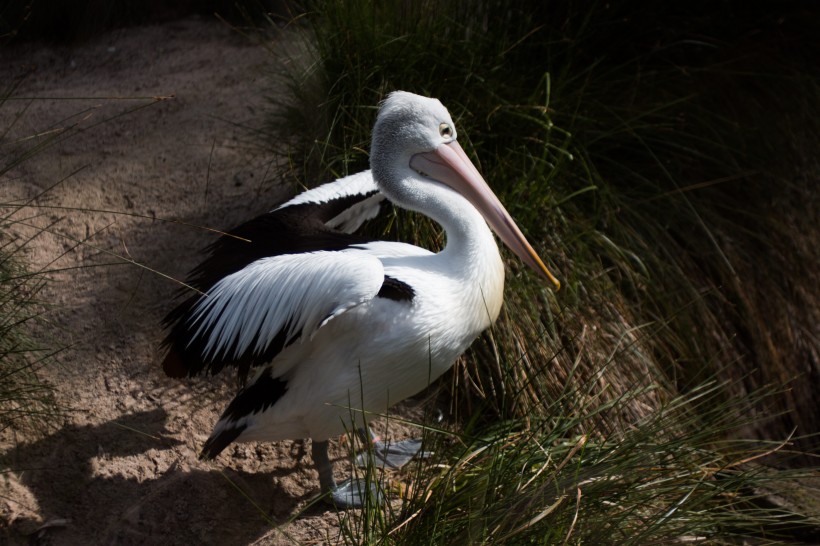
[[252, 400]]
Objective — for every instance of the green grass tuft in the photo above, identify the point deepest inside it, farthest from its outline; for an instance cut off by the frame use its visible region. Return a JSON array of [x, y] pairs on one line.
[[26, 402]]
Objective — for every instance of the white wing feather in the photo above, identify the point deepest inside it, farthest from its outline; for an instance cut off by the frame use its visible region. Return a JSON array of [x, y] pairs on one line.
[[360, 183], [300, 292], [349, 220]]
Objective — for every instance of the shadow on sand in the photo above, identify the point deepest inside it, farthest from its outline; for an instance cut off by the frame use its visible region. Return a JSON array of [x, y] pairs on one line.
[[96, 481]]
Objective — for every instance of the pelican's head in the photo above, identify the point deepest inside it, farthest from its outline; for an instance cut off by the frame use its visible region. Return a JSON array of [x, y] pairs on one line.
[[412, 123], [417, 133]]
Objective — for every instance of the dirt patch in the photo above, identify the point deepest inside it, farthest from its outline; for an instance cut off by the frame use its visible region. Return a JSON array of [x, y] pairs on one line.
[[122, 467]]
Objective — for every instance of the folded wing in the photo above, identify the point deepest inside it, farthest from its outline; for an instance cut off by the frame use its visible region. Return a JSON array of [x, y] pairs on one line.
[[248, 317], [276, 278]]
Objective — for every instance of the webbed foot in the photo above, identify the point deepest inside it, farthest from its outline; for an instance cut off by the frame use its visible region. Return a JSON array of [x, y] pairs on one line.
[[393, 454], [353, 493]]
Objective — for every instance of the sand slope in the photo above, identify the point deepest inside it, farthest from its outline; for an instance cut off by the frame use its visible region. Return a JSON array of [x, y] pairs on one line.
[[122, 467]]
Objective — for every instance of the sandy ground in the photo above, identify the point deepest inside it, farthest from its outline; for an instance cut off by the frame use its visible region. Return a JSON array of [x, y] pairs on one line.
[[122, 467]]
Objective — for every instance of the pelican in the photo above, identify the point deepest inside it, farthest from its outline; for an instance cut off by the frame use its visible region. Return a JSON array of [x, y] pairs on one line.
[[323, 325]]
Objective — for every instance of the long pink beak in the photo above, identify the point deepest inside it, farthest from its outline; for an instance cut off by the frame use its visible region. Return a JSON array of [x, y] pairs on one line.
[[450, 165]]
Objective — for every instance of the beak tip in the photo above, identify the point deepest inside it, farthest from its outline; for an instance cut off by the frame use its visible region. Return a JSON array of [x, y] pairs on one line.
[[547, 274]]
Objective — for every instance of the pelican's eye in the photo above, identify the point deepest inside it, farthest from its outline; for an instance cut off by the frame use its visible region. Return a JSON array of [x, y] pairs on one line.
[[445, 130]]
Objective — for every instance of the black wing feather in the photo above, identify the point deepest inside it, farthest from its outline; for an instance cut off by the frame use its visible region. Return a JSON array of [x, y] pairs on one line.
[[396, 290], [328, 210]]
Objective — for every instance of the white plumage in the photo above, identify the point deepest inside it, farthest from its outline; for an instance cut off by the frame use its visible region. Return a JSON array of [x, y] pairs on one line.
[[326, 323]]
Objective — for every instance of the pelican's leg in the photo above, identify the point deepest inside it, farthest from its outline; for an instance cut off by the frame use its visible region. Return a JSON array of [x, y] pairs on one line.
[[324, 466], [350, 493], [390, 454]]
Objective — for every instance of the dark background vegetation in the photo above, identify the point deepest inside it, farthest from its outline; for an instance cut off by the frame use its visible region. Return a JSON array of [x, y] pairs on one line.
[[71, 21]]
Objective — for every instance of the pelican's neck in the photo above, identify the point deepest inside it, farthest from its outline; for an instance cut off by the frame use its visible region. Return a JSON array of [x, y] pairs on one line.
[[470, 241], [470, 256]]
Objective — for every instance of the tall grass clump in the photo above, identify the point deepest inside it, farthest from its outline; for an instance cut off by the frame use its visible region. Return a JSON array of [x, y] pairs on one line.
[[663, 161], [26, 402], [671, 477]]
